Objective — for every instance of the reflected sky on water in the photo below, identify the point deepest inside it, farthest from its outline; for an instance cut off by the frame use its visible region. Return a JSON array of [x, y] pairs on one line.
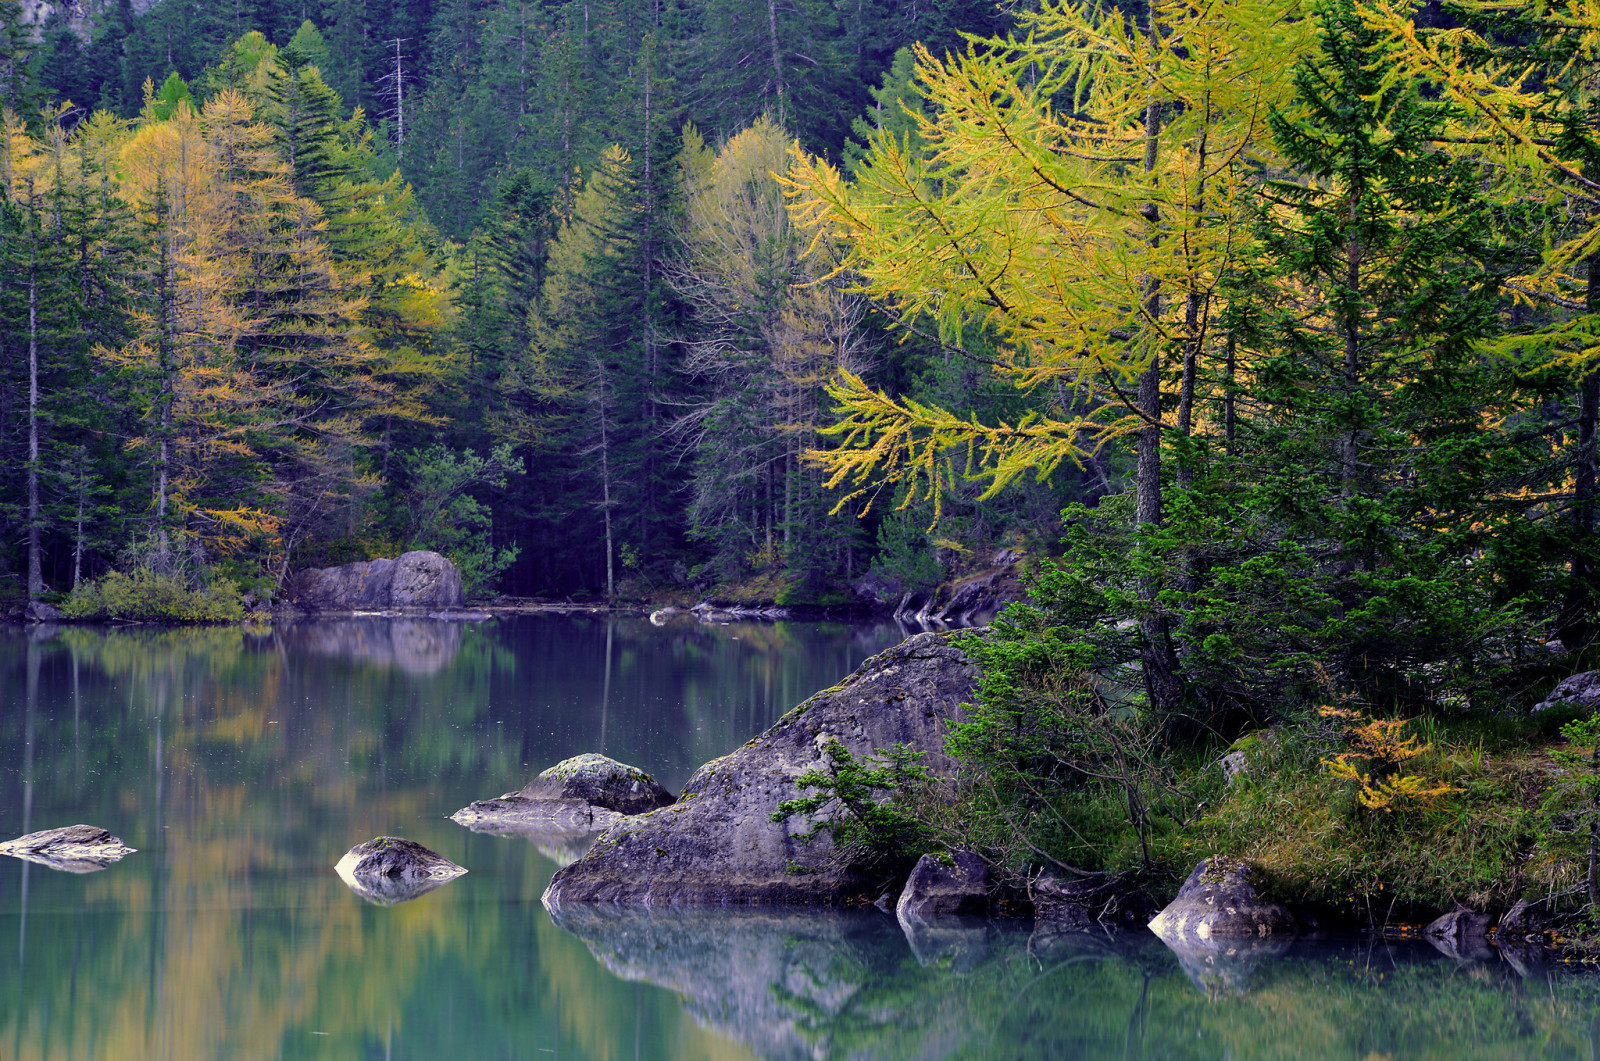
[[242, 765]]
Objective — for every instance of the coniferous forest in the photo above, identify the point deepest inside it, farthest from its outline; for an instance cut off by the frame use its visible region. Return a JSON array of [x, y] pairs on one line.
[[1266, 330], [1279, 315], [293, 284]]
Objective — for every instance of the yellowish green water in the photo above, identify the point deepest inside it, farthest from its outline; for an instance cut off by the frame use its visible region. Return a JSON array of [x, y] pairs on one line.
[[242, 765]]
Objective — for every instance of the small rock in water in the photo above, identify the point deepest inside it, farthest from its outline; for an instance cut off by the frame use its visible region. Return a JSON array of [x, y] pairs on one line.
[[72, 849], [601, 782], [389, 870], [1217, 904]]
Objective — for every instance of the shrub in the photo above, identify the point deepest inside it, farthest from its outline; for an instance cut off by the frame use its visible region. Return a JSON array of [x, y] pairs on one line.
[[152, 597]]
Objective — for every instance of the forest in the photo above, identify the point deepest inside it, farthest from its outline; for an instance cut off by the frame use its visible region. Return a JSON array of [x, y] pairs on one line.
[[511, 281], [1265, 330], [1278, 320]]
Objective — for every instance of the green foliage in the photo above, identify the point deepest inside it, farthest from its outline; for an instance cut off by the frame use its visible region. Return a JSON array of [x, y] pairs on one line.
[[148, 596], [861, 804], [442, 514]]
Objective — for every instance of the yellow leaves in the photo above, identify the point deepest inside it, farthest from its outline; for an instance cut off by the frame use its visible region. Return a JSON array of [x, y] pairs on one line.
[[1083, 243], [1384, 746], [885, 442]]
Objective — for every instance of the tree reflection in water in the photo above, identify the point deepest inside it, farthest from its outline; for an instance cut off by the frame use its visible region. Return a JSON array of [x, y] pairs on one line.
[[243, 763]]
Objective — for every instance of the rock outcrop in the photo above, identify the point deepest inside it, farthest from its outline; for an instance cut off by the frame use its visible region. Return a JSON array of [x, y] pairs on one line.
[[1578, 690], [40, 612], [388, 870], [71, 849], [584, 793], [718, 843], [1219, 903], [418, 579], [1461, 934]]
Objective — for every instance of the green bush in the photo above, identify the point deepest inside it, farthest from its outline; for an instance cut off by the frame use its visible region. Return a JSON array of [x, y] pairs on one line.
[[147, 596]]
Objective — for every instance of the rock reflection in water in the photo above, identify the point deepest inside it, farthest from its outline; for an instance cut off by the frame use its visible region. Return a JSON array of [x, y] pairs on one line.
[[781, 982], [561, 846], [414, 646]]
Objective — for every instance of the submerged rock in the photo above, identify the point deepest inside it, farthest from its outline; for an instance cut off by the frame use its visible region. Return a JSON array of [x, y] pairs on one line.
[[943, 886], [1219, 903], [718, 843], [71, 849], [418, 579], [388, 870]]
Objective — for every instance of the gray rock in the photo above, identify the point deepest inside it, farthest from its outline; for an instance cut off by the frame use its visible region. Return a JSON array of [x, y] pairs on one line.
[[1578, 690], [583, 794], [718, 843], [418, 579], [1219, 903], [1234, 765], [1461, 934], [425, 579], [600, 781], [40, 612], [940, 888], [71, 849], [387, 870]]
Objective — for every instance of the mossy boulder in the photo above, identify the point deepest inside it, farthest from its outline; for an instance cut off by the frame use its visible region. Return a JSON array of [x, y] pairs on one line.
[[718, 844]]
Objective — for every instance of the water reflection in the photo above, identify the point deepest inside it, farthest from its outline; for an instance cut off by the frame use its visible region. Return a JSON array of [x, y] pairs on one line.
[[242, 764]]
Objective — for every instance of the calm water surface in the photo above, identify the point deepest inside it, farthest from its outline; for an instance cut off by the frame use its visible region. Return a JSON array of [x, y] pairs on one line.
[[243, 765]]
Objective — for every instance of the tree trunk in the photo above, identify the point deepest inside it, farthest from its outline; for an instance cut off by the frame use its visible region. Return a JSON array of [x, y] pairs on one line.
[[1160, 661], [1577, 623], [777, 62], [35, 570]]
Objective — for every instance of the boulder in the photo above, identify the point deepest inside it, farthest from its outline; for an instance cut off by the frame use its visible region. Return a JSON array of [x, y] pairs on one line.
[[71, 849], [418, 579], [945, 885], [425, 580], [387, 870], [1462, 934], [585, 793], [40, 612], [1578, 690], [601, 782], [1219, 903], [719, 845]]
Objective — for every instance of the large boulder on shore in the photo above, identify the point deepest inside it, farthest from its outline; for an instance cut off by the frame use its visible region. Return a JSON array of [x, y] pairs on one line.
[[718, 843], [418, 579], [1577, 690], [945, 886]]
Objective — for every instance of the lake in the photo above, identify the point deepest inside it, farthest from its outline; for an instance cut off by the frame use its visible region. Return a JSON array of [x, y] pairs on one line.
[[241, 764]]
